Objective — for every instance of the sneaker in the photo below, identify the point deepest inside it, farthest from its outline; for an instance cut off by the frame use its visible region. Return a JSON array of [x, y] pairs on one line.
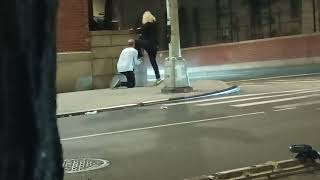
[[115, 83], [158, 81]]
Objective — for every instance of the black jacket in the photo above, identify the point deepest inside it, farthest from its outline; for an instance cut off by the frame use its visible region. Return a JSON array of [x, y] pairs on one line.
[[149, 32]]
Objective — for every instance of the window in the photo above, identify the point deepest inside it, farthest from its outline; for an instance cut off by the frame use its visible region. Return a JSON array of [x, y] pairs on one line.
[[295, 8]]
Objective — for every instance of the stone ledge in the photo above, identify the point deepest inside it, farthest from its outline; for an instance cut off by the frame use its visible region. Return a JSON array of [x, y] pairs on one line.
[[106, 32], [74, 56], [107, 52], [101, 41]]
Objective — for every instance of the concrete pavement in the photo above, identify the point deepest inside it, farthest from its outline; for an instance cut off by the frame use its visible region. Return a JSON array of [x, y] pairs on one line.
[[190, 139], [83, 101]]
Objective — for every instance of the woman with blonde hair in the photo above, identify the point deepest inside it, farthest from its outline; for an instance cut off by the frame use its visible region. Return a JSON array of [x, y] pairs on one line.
[[149, 42]]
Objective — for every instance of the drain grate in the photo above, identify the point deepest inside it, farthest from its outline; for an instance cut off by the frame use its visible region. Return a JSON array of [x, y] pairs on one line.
[[83, 165]]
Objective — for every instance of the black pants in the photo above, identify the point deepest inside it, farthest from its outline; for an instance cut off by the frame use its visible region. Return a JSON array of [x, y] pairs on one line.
[[131, 81], [152, 51]]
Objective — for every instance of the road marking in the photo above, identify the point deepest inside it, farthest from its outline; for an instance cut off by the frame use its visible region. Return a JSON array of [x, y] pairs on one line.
[[310, 79], [285, 109], [296, 80], [154, 101], [237, 96], [276, 77], [253, 85], [254, 98], [297, 105], [289, 82], [160, 126], [96, 109], [274, 101], [223, 75]]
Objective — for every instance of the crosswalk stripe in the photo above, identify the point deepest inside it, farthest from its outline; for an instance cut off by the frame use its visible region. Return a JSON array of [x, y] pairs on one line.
[[276, 77], [255, 98], [237, 96], [285, 109], [275, 100], [289, 82], [297, 105]]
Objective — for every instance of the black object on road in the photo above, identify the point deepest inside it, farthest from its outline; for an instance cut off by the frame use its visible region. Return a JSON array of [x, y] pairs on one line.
[[304, 152]]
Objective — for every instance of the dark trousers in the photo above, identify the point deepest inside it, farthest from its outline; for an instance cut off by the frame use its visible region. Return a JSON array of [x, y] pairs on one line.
[[152, 51], [131, 81]]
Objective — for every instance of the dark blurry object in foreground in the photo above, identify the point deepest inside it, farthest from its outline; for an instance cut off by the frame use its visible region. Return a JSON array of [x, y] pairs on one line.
[[30, 147]]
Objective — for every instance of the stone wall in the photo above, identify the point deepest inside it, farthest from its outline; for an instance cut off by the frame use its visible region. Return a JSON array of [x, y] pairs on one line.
[[94, 69], [74, 71], [106, 48], [308, 14]]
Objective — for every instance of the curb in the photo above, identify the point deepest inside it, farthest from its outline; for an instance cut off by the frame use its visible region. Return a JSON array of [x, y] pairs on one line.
[[227, 91], [268, 170]]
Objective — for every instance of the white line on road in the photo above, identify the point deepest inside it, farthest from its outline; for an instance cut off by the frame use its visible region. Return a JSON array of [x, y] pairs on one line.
[[253, 85], [160, 126], [296, 80], [238, 96], [289, 82], [96, 109], [223, 75], [297, 105], [285, 109], [276, 77], [274, 101], [255, 98]]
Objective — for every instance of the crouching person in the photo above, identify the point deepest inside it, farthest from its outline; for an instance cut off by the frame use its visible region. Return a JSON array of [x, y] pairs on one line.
[[127, 61]]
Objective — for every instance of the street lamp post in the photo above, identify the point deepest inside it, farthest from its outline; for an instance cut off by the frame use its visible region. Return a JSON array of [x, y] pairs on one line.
[[176, 75]]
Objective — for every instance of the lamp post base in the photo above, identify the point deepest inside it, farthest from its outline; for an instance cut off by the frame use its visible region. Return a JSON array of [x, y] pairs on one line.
[[176, 76]]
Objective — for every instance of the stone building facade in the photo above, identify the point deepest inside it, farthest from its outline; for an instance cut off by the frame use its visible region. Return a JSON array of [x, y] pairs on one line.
[[87, 58]]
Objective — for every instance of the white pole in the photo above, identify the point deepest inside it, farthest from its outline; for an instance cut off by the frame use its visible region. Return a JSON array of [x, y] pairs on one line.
[[176, 75]]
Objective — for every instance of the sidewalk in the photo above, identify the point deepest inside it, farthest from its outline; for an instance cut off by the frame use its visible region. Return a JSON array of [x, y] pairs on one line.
[[82, 101]]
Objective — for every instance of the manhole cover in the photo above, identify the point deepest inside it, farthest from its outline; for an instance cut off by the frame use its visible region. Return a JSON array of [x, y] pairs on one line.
[[83, 164]]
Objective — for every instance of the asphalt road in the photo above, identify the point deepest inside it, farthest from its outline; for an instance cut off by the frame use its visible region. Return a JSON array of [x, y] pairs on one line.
[[307, 176], [181, 140]]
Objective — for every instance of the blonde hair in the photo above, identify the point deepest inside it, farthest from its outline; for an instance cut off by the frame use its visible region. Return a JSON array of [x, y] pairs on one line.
[[148, 17]]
